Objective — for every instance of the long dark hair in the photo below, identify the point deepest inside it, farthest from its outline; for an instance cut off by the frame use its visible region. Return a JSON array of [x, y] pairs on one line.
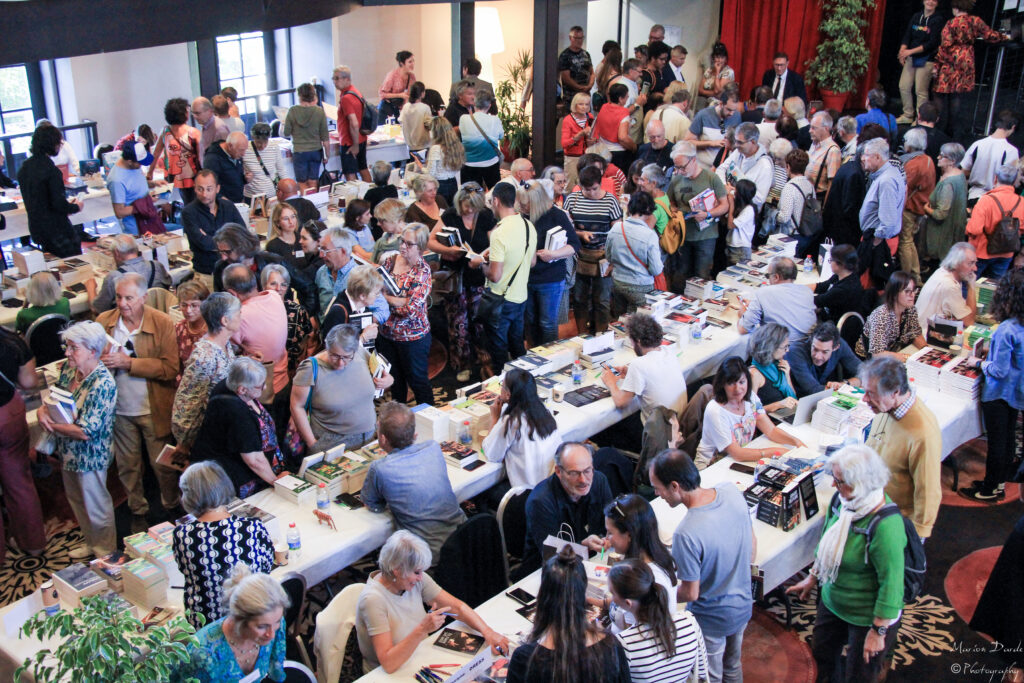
[[633, 515], [633, 580], [1008, 300], [562, 613], [524, 405], [745, 191]]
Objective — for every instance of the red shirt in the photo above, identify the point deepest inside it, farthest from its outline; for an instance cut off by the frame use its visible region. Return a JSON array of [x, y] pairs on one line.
[[608, 120], [350, 104]]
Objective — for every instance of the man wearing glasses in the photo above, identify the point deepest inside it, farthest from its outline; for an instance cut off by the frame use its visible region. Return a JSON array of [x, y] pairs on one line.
[[202, 218], [569, 504], [707, 131], [689, 180], [332, 277], [749, 161]]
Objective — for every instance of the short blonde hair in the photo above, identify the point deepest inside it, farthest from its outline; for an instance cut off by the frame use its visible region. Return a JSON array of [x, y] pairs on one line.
[[577, 98], [535, 199], [363, 281], [420, 233], [391, 210], [193, 290], [420, 182], [275, 218], [247, 596], [43, 289]]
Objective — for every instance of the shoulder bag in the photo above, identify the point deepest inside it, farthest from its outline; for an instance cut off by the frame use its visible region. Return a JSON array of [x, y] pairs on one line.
[[497, 150], [659, 280], [491, 302], [293, 447]]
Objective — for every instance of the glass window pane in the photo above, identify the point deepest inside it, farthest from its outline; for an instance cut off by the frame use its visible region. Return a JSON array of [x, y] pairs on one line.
[[229, 61], [18, 122], [235, 83], [14, 93], [254, 61], [252, 34], [221, 39], [254, 85]]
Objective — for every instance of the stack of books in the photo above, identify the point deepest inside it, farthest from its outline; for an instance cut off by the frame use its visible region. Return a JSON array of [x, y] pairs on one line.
[[163, 532], [328, 473], [379, 366], [163, 558], [140, 545], [786, 244], [145, 583], [432, 424], [458, 454], [533, 363], [555, 239], [833, 413], [61, 405], [976, 333], [699, 288], [986, 289], [958, 378], [594, 360], [449, 236], [109, 567], [295, 490], [76, 582], [240, 508], [924, 366]]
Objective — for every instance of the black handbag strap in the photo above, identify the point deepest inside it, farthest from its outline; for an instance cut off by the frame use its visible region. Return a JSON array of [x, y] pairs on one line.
[[260, 159], [472, 117], [526, 248]]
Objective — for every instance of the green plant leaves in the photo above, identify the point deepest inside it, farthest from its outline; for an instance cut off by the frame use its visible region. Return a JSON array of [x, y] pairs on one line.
[[842, 54]]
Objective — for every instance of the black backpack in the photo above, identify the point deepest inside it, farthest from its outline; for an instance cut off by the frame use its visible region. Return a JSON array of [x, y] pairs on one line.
[[915, 564], [368, 123], [1006, 235], [811, 224]]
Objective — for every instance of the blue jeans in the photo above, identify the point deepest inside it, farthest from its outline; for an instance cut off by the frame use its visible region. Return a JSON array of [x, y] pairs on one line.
[[505, 335], [724, 657], [993, 267], [695, 258], [307, 165], [542, 305], [408, 367]]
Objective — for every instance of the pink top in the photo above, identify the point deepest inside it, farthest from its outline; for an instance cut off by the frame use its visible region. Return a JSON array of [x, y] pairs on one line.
[[396, 81], [264, 328]]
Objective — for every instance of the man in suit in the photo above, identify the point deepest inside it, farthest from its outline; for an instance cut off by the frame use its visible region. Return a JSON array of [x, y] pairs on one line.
[[783, 82]]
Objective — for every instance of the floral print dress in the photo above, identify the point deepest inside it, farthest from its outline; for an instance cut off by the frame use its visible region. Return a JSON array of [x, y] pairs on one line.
[[96, 397], [213, 660], [954, 62]]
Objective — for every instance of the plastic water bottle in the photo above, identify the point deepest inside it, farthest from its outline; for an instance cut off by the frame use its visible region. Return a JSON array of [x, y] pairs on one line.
[[294, 541], [696, 332], [808, 265], [577, 373], [323, 499], [463, 435]]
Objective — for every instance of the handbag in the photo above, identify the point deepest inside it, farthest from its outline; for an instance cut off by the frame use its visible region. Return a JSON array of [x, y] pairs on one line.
[[589, 264], [491, 302], [273, 179], [293, 445], [659, 280]]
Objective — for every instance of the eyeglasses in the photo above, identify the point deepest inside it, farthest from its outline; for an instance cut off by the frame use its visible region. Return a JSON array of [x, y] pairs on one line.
[[579, 474], [838, 482], [325, 250], [338, 358], [409, 244]]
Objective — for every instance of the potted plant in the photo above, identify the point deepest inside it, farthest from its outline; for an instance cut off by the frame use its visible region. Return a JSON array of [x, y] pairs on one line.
[[842, 56], [514, 118], [105, 642]]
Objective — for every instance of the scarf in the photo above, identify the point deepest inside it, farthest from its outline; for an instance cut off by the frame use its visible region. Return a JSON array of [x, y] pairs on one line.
[[776, 378], [833, 541]]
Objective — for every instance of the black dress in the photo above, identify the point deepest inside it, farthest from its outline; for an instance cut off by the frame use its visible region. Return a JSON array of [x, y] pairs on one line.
[[478, 240], [42, 189], [834, 297]]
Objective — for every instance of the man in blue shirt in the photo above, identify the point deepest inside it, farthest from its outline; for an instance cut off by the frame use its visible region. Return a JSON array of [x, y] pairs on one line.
[[332, 277], [815, 364], [127, 184], [882, 210], [876, 114], [568, 504], [412, 480]]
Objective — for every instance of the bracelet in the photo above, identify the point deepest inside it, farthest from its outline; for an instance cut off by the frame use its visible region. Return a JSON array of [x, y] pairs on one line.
[[813, 572]]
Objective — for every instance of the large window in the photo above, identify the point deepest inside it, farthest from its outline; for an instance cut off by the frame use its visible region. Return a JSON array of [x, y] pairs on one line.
[[16, 114], [242, 64]]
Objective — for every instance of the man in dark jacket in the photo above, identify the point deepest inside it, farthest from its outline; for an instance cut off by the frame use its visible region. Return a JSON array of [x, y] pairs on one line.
[[225, 159], [202, 218], [841, 212], [42, 190], [783, 82]]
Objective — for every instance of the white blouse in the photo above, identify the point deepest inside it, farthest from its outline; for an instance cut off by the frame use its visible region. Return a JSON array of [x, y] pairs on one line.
[[527, 461]]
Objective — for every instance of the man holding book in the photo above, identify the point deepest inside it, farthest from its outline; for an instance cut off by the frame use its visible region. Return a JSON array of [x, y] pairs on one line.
[[143, 356]]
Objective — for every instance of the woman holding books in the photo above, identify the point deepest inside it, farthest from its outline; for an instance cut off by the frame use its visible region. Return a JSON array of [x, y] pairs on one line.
[[428, 206], [405, 337], [391, 620], [332, 393], [548, 275], [525, 435], [83, 444], [362, 289], [662, 644], [734, 417], [894, 325], [248, 643], [564, 645], [302, 327], [206, 548], [769, 369], [1002, 394], [473, 221]]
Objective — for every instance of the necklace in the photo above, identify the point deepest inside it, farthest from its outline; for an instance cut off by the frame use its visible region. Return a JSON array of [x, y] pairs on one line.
[[241, 652]]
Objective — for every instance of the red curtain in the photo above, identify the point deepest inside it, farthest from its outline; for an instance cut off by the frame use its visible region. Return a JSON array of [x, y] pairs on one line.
[[754, 30]]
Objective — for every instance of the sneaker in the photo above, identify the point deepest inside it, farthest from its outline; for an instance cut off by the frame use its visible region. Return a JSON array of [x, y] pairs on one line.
[[979, 495], [81, 552], [905, 121], [1000, 488], [139, 524], [463, 376]]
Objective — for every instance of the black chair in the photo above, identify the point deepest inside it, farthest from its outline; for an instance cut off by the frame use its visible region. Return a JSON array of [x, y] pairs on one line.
[[294, 585], [616, 468], [851, 327], [472, 562], [43, 338]]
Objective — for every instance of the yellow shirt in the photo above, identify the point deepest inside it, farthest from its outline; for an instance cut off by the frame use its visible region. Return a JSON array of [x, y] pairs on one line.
[[513, 242]]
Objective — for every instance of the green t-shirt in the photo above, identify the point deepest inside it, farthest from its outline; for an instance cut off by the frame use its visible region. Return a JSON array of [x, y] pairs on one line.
[[513, 241], [682, 189], [661, 214], [863, 591], [27, 316]]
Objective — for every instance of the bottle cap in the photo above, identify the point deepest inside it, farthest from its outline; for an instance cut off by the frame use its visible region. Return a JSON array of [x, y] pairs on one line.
[[292, 525], [321, 485]]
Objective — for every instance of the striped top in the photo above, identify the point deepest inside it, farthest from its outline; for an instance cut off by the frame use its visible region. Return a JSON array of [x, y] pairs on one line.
[[647, 662], [593, 215]]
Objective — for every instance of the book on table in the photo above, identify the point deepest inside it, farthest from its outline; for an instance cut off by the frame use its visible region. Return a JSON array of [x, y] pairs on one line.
[[586, 395], [459, 641], [145, 583], [458, 454], [163, 532], [78, 581], [295, 490], [138, 545], [109, 567]]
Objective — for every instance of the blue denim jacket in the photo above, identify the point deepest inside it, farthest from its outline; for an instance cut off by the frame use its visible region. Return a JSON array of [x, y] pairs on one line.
[[1004, 367]]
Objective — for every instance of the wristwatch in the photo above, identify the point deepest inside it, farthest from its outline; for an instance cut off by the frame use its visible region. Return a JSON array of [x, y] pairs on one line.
[[880, 630]]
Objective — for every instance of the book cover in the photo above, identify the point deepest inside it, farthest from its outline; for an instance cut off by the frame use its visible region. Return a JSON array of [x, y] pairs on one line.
[[459, 641]]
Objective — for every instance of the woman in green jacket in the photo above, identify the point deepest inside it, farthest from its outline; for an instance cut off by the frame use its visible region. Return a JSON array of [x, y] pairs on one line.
[[861, 599]]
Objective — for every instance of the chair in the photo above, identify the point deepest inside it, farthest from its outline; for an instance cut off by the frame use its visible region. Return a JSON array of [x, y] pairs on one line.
[[334, 625], [616, 468], [294, 584], [851, 326], [512, 522], [43, 338], [472, 564], [161, 299], [297, 673]]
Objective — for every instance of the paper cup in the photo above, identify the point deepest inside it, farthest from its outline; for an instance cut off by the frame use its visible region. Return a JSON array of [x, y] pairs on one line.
[[51, 600], [281, 554], [557, 394]]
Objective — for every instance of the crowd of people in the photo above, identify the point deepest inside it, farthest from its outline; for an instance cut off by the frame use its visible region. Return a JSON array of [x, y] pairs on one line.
[[272, 356]]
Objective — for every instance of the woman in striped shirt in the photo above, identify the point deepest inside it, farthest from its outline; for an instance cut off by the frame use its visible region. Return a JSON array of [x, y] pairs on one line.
[[662, 646]]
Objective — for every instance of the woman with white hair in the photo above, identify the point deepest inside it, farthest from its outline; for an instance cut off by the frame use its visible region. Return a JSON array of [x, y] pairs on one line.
[[301, 325], [207, 365], [83, 443], [391, 620], [206, 548], [238, 432], [860, 576], [42, 297], [559, 181], [946, 207], [249, 643], [653, 181], [920, 171]]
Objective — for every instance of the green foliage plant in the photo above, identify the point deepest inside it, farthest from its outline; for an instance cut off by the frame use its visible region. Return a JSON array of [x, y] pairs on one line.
[[842, 56], [515, 120]]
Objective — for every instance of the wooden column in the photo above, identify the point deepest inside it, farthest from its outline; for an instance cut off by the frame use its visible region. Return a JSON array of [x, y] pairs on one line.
[[545, 76]]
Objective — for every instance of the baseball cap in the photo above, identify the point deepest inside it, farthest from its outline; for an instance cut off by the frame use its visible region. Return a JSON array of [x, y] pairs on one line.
[[137, 151]]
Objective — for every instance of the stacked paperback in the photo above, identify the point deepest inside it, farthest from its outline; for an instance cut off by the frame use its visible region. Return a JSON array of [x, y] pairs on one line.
[[109, 568], [785, 244], [379, 366], [240, 508], [556, 239], [959, 378], [837, 413], [61, 405], [978, 332], [699, 288], [76, 582], [924, 366], [459, 454], [144, 583], [295, 490]]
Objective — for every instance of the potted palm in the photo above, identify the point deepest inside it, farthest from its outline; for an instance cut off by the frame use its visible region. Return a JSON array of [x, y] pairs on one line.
[[104, 642], [842, 56], [514, 118]]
